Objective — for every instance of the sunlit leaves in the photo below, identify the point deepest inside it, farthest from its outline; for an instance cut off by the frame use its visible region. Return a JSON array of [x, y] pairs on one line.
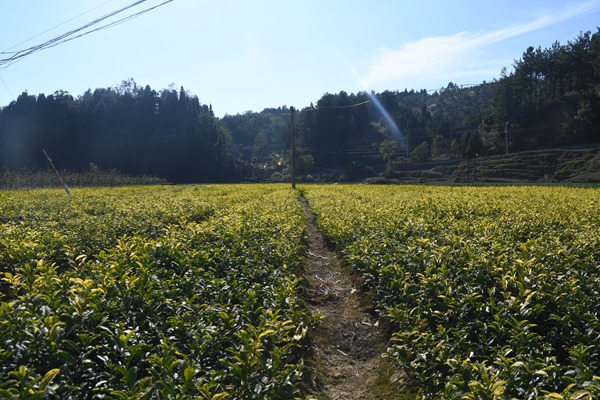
[[190, 292], [492, 291], [151, 292]]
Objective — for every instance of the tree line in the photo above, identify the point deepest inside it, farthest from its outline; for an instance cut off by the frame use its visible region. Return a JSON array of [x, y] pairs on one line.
[[550, 99], [136, 130]]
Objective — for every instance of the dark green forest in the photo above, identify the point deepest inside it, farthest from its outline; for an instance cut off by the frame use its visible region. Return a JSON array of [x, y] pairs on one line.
[[549, 99]]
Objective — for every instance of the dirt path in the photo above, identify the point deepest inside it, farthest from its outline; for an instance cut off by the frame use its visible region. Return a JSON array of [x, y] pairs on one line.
[[349, 340]]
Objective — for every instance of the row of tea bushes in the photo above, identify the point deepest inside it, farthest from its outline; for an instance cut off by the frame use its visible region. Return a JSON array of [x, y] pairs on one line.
[[492, 292], [151, 292]]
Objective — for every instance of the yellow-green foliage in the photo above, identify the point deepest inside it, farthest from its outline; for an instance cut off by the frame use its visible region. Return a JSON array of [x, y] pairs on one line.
[[151, 292], [192, 292], [493, 292]]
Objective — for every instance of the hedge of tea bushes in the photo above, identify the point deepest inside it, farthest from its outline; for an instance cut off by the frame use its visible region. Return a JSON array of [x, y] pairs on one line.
[[492, 292], [151, 292]]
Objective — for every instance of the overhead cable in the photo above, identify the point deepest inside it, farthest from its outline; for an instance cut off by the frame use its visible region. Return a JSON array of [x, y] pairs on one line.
[[76, 33], [56, 26], [335, 107]]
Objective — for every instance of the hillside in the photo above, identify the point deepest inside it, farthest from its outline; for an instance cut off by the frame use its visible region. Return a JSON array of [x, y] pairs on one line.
[[569, 166]]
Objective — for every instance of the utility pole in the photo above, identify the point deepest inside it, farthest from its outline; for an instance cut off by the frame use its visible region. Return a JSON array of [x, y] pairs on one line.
[[506, 135], [293, 160]]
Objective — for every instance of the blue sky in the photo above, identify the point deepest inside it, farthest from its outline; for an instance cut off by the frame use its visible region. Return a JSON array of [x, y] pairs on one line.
[[240, 55]]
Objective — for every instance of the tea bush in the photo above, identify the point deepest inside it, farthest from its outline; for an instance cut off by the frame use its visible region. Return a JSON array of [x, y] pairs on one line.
[[492, 291], [151, 292]]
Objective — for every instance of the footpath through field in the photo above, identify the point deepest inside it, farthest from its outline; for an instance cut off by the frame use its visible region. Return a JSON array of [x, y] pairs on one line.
[[349, 341]]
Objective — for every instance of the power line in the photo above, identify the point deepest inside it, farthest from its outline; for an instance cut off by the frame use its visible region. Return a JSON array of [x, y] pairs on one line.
[[338, 151], [306, 109], [336, 107], [7, 89], [56, 26], [59, 39], [77, 33]]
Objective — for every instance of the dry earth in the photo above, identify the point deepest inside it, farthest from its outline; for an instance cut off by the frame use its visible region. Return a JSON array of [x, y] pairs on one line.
[[349, 341]]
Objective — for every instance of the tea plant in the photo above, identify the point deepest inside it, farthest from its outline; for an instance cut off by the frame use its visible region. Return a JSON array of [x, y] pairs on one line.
[[492, 292], [151, 292], [191, 292]]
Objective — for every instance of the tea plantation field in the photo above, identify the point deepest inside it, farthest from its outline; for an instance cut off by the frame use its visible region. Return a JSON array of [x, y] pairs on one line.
[[151, 292], [159, 292], [493, 292]]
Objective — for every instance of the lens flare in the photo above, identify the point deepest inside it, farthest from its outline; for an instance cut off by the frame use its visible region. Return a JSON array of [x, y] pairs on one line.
[[391, 124], [389, 121]]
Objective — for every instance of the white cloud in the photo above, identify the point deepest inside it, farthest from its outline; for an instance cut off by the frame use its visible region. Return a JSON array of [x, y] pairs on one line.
[[455, 56]]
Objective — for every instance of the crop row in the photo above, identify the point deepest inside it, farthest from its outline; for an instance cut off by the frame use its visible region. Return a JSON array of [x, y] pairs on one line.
[[151, 292], [492, 292]]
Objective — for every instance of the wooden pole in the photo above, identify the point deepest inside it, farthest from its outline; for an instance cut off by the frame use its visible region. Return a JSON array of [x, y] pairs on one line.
[[57, 174], [293, 160], [506, 135]]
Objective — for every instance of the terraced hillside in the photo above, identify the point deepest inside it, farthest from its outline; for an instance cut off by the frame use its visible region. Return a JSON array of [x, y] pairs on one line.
[[576, 166], [541, 165]]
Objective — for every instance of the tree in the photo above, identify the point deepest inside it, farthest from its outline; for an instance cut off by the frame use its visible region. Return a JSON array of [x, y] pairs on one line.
[[473, 145], [455, 151], [439, 148], [390, 150], [421, 152], [305, 164]]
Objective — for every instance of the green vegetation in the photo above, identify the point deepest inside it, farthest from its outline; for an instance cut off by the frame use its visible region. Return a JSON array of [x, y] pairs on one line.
[[93, 176], [151, 292], [133, 129], [492, 292], [193, 292], [550, 99]]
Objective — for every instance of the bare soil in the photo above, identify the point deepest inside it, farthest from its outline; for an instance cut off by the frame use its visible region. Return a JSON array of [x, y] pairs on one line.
[[349, 342]]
